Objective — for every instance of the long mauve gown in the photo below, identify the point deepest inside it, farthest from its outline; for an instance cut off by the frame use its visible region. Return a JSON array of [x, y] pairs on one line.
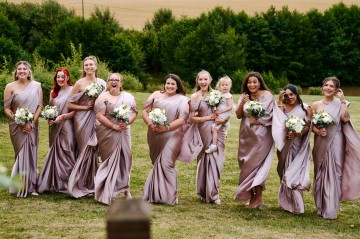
[[60, 159], [25, 144], [196, 140], [161, 183], [113, 175], [81, 180], [256, 150], [293, 160], [336, 164]]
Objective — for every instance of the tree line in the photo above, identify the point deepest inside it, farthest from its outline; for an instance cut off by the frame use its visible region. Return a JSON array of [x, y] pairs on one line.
[[286, 46]]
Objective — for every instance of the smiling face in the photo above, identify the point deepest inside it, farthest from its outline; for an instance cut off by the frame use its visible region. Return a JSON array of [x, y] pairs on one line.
[[290, 97], [170, 86], [114, 82], [22, 72], [329, 88], [203, 81], [89, 66], [253, 84], [62, 79]]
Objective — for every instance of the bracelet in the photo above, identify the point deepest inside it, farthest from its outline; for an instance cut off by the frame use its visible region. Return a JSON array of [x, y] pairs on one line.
[[149, 124], [343, 102]]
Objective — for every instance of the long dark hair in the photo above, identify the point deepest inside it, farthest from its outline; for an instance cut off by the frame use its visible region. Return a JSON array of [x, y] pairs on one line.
[[180, 87], [245, 89], [56, 88], [294, 90]]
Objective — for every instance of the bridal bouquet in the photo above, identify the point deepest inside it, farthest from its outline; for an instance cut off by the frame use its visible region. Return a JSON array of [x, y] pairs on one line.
[[322, 119], [295, 124], [50, 112], [158, 116], [94, 90], [122, 112], [254, 109], [214, 98], [23, 116]]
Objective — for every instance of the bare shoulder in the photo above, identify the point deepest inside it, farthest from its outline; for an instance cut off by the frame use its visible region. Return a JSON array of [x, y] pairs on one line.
[[316, 105], [195, 96]]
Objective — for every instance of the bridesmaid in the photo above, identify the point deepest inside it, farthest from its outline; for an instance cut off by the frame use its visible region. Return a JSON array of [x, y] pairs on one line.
[[114, 142], [60, 159], [210, 165], [256, 145], [336, 170], [81, 181], [293, 150], [164, 141], [24, 92]]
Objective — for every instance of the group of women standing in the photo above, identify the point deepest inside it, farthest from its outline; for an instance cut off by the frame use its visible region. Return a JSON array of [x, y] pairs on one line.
[[90, 150]]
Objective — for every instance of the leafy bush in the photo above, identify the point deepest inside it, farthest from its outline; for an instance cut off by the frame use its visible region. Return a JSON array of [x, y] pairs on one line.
[[131, 82], [274, 84], [314, 91]]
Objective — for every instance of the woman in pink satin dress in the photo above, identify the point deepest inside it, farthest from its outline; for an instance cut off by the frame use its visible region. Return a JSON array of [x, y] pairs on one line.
[[60, 159], [81, 180], [114, 141], [210, 166], [24, 92], [256, 145], [164, 140], [336, 153], [293, 149]]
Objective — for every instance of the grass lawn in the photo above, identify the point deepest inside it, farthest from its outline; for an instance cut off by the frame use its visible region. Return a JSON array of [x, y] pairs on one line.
[[60, 216]]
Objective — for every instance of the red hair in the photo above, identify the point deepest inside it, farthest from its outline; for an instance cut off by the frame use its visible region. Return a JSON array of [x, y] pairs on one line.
[[56, 88]]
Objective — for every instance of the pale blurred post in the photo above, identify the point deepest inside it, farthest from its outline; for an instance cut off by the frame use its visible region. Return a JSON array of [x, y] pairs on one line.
[[128, 219]]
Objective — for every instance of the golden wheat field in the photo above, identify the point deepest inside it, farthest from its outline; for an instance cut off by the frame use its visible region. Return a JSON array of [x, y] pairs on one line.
[[134, 13]]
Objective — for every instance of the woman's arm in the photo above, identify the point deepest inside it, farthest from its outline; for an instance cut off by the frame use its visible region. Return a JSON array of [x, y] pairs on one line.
[[7, 94], [239, 111], [75, 107], [344, 113]]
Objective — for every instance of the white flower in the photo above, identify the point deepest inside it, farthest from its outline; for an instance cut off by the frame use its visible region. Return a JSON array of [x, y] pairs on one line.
[[214, 98], [158, 116], [122, 112], [23, 116], [93, 90], [322, 119], [50, 112]]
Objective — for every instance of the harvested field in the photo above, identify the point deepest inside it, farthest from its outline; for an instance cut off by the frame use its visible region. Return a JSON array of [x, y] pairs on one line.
[[134, 13]]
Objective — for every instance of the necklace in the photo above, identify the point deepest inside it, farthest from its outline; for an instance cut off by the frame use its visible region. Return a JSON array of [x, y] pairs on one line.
[[255, 96], [325, 103], [115, 94]]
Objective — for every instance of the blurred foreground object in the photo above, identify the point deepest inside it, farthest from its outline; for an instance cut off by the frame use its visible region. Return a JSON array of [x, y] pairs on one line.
[[8, 182], [128, 219]]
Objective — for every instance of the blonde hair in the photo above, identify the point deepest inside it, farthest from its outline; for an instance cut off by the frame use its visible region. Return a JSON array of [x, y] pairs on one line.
[[94, 59], [121, 78], [223, 79], [198, 76], [27, 64]]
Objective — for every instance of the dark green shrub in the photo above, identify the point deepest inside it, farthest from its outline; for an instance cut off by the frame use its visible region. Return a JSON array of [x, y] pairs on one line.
[[314, 91]]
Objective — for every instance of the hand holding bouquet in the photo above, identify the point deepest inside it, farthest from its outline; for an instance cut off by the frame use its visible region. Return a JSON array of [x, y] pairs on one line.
[[158, 117], [23, 116], [214, 98], [295, 124], [93, 90], [122, 112], [50, 112], [254, 109], [322, 119]]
